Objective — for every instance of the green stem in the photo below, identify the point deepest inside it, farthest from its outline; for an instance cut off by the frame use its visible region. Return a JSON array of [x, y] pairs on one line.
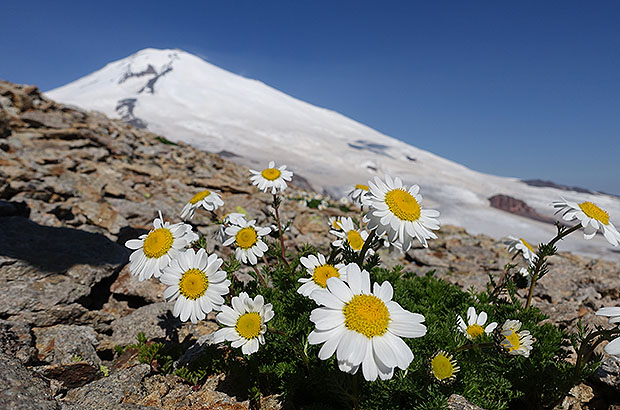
[[332, 256], [276, 205], [542, 258], [367, 242], [266, 262], [260, 277]]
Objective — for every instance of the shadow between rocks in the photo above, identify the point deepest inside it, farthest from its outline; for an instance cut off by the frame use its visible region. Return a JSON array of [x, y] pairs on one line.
[[53, 249]]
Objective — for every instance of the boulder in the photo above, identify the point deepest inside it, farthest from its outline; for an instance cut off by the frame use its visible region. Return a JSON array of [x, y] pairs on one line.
[[21, 388]]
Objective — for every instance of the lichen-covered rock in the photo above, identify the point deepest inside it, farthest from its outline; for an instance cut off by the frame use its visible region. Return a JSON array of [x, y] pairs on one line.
[[70, 375], [578, 397], [457, 402], [21, 389], [65, 344], [111, 392], [42, 268], [154, 320], [608, 373], [16, 340], [129, 286]]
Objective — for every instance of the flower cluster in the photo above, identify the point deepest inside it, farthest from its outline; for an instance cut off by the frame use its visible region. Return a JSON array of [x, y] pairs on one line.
[[355, 318]]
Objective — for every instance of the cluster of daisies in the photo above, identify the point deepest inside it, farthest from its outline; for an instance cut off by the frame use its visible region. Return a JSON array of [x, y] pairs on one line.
[[393, 212], [354, 320], [509, 339], [194, 278], [592, 219]]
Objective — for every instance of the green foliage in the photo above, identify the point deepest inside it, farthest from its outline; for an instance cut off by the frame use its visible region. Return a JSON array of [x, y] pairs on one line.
[[104, 370], [211, 361], [489, 377], [156, 354], [288, 366], [166, 141]]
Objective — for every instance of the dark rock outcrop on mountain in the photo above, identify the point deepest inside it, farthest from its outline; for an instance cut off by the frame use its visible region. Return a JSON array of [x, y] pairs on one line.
[[551, 184], [517, 207], [74, 186]]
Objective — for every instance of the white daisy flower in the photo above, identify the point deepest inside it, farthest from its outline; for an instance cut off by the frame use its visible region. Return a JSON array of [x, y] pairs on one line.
[[613, 313], [592, 219], [247, 237], [514, 342], [209, 200], [475, 324], [233, 218], [245, 323], [349, 234], [334, 223], [359, 194], [154, 251], [516, 245], [396, 210], [443, 368], [391, 246], [319, 271], [363, 328], [195, 280], [271, 178]]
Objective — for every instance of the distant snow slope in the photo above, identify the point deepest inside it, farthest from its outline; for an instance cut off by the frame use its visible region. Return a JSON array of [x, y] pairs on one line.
[[181, 96]]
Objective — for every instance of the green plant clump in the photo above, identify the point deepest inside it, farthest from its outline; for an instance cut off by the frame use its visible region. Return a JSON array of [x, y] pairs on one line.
[[341, 330]]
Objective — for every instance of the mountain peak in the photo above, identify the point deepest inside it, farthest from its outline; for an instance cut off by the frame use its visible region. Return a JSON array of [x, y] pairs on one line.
[[184, 98]]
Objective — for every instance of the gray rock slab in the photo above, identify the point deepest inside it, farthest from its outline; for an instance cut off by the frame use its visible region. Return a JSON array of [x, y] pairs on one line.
[[609, 373], [43, 267], [65, 344], [110, 392], [154, 320], [16, 340], [457, 402], [22, 389]]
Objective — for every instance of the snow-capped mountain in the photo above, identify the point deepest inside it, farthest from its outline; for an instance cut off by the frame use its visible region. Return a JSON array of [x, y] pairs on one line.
[[183, 97]]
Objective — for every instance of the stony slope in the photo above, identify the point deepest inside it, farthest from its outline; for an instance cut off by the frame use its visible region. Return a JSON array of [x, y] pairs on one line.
[[75, 185]]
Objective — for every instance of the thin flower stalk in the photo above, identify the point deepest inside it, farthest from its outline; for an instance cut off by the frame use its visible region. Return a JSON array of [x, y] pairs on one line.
[[276, 205], [541, 257]]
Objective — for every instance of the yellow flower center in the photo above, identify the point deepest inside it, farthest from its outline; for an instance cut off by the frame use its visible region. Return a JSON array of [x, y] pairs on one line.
[[474, 331], [362, 187], [513, 339], [158, 243], [595, 212], [442, 367], [355, 241], [403, 205], [193, 283], [336, 224], [366, 314], [248, 325], [322, 273], [271, 173], [246, 237], [527, 245], [199, 196]]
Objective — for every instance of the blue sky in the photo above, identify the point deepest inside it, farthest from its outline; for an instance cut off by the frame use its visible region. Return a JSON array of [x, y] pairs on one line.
[[528, 89]]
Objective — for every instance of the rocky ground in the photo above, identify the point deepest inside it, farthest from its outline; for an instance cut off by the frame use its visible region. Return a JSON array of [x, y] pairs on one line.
[[74, 186]]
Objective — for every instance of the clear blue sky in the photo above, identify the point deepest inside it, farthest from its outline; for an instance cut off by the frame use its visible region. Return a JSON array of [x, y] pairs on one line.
[[528, 89]]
